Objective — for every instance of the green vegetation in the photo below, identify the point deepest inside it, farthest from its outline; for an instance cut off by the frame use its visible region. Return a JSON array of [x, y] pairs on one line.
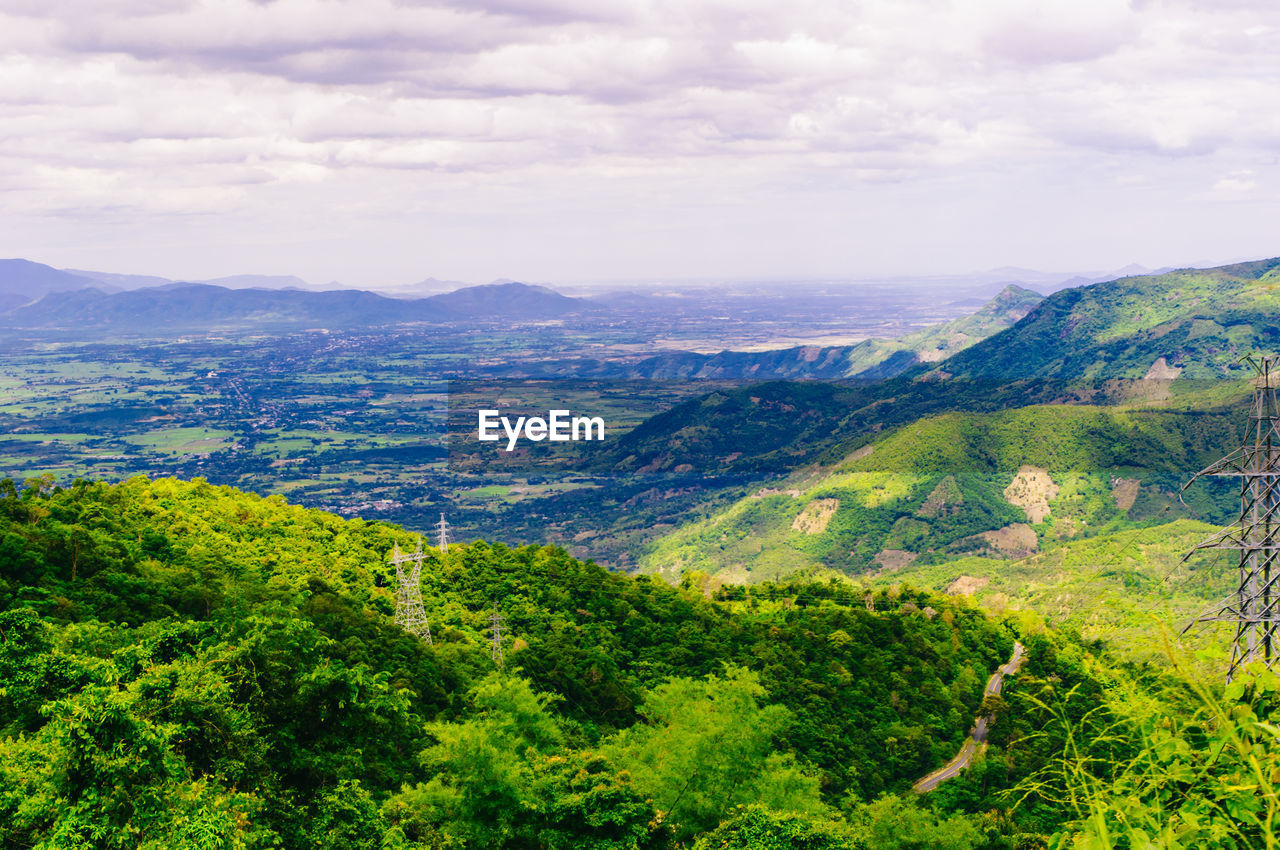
[[191, 666], [997, 485], [1198, 321]]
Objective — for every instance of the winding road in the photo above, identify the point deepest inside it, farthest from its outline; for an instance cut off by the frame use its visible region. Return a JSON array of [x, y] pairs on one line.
[[978, 736]]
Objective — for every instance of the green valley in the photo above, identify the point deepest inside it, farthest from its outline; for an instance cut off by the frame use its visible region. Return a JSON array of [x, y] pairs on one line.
[[827, 574]]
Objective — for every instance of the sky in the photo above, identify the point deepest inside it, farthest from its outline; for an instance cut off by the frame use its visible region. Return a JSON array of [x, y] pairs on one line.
[[381, 142]]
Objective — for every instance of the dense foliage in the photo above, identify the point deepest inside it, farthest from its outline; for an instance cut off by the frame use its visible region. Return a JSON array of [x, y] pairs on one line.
[[1199, 320], [185, 665], [937, 488]]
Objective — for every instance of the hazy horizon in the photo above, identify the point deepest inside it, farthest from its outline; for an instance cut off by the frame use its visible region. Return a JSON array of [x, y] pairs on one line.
[[378, 143], [1047, 280]]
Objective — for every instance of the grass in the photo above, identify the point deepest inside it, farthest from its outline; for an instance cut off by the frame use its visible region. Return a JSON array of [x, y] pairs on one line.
[[182, 440]]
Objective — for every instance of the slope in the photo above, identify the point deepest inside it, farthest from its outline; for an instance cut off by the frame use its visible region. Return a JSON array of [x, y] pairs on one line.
[[1119, 586], [22, 281], [1003, 484], [208, 306], [868, 360], [176, 650], [1193, 323]]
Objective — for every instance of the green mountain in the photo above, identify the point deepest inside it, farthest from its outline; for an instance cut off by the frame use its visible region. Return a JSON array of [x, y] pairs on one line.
[[191, 666], [1190, 323], [1003, 484], [1138, 338]]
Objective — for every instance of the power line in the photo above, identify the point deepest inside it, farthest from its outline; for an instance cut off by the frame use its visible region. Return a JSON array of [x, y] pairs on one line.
[[442, 534], [1254, 606], [410, 614]]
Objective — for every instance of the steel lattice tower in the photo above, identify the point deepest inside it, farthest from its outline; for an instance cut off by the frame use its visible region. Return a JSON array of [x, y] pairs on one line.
[[442, 530], [495, 631], [1254, 606], [410, 615]]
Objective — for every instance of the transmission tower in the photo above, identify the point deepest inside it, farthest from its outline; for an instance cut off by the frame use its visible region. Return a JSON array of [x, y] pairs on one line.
[[410, 615], [1254, 606], [495, 629], [442, 531]]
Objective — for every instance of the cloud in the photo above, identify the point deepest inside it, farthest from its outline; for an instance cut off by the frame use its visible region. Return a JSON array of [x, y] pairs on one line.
[[1236, 183], [147, 105]]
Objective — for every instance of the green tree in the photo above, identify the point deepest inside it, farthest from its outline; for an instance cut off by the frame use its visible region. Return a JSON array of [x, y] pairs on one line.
[[706, 745], [893, 823], [504, 779], [758, 828]]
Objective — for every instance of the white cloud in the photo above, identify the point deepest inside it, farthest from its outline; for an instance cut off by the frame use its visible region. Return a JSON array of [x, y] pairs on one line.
[[1236, 183], [145, 106]]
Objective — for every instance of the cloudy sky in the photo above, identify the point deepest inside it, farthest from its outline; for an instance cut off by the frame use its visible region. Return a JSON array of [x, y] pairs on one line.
[[380, 142]]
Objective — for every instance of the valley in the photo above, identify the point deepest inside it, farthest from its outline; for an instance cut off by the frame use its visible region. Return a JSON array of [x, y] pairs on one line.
[[811, 559]]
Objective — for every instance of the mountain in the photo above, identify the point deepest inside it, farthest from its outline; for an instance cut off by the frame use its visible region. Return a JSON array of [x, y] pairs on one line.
[[1001, 484], [22, 281], [1112, 341], [510, 300], [1194, 323], [258, 281], [869, 360], [207, 306], [113, 281], [210, 668]]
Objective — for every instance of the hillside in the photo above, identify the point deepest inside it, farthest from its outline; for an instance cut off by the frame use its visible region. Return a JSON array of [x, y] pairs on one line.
[[22, 281], [183, 660], [1117, 587], [1190, 323], [869, 360], [1003, 484], [190, 306], [1167, 338]]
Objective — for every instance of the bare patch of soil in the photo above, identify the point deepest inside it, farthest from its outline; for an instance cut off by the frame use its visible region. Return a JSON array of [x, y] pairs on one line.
[[816, 516], [1032, 489]]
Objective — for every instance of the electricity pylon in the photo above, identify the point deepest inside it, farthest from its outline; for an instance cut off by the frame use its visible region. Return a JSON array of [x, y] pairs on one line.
[[442, 532], [410, 615], [495, 629], [1254, 606]]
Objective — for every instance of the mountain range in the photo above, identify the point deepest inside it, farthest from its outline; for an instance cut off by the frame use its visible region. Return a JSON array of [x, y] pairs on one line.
[[206, 306], [995, 452]]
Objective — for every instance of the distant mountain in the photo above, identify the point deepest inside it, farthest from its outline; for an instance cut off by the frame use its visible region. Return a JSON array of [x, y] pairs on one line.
[[258, 281], [1189, 322], [28, 281], [203, 305], [422, 288], [511, 300], [11, 300], [1054, 281], [115, 281], [207, 306], [872, 359]]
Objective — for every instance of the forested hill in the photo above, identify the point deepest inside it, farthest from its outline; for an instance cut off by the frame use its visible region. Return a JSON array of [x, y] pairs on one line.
[[183, 665], [1193, 323]]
